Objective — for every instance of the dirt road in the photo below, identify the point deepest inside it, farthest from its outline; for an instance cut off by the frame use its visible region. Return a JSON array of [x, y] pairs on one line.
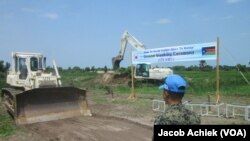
[[95, 128]]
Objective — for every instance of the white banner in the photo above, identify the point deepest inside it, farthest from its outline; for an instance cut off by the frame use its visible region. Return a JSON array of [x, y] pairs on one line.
[[193, 52]]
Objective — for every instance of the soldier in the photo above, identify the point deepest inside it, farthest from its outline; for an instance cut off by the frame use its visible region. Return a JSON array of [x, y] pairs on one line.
[[176, 113]]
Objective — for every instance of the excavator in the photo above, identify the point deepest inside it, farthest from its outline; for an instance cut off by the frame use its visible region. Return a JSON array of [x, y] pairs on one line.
[[142, 70], [35, 95]]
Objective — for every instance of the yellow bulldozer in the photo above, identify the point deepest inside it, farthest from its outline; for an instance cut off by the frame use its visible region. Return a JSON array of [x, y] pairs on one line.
[[34, 95]]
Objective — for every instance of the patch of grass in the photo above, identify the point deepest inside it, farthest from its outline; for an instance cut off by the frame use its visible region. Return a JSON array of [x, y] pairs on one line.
[[142, 103], [122, 89], [7, 126], [145, 89]]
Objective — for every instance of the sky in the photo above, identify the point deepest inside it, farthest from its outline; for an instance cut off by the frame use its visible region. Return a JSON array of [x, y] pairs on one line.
[[88, 33]]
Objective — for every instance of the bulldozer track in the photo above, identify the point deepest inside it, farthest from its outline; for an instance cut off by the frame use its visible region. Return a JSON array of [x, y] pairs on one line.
[[8, 95]]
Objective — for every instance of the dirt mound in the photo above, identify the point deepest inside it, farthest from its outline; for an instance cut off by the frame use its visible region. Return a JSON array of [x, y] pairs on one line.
[[112, 78], [107, 77]]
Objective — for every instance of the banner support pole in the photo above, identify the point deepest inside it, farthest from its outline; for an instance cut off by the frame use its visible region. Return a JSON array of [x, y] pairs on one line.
[[132, 95], [217, 71]]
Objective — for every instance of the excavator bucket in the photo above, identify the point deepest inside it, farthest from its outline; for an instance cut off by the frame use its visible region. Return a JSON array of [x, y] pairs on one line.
[[45, 104], [116, 62]]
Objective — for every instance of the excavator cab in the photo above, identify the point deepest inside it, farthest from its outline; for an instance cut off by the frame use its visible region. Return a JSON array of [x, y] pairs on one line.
[[146, 71], [142, 70], [36, 96]]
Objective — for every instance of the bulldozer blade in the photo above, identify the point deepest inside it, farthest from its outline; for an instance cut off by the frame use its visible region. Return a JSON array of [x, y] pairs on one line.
[[45, 104]]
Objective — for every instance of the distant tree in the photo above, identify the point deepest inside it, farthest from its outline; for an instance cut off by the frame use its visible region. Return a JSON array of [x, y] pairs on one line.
[[93, 69], [227, 68], [1, 66], [105, 69], [60, 69], [4, 68], [87, 69], [192, 68], [49, 69], [179, 68], [202, 64], [7, 66], [208, 68], [241, 67], [76, 69]]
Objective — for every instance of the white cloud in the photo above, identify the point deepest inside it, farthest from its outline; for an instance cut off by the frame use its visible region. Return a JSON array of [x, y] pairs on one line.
[[226, 18], [244, 34], [162, 21], [41, 13], [30, 10], [209, 19], [233, 1], [52, 16]]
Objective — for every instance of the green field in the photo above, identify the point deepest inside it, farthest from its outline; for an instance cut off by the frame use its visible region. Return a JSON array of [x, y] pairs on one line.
[[231, 82], [199, 83]]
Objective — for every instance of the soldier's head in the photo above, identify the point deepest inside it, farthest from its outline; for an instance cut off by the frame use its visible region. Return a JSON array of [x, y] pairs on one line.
[[174, 88]]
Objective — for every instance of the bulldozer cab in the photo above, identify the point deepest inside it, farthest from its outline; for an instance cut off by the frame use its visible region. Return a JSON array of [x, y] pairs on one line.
[[28, 72], [26, 63]]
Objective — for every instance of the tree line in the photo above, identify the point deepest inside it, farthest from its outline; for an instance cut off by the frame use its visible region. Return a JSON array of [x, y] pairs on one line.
[[79, 69], [238, 67], [202, 66]]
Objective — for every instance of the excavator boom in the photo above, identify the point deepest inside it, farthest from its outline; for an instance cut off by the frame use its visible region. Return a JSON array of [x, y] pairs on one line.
[[126, 38]]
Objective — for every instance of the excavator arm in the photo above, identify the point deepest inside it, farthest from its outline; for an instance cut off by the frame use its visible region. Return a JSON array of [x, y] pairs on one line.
[[126, 38]]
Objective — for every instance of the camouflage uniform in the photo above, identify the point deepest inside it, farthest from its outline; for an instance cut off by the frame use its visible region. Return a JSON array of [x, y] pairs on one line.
[[177, 114]]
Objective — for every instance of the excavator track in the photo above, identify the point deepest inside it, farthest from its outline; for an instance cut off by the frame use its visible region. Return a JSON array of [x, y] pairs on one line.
[[45, 104]]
